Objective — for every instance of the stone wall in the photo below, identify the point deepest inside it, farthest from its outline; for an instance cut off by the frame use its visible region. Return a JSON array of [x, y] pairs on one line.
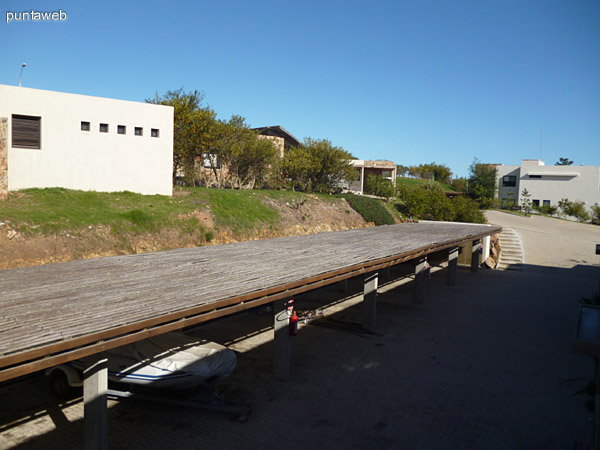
[[278, 141], [3, 158]]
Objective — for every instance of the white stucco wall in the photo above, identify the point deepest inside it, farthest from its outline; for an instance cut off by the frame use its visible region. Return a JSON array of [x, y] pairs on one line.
[[581, 183], [90, 160]]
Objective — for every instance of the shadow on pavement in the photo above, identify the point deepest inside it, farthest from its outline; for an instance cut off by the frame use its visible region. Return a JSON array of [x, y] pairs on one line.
[[483, 364]]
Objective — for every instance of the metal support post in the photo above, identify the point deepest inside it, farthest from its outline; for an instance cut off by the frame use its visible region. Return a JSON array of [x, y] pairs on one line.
[[283, 342], [369, 302], [452, 266], [419, 290], [476, 250], [95, 415]]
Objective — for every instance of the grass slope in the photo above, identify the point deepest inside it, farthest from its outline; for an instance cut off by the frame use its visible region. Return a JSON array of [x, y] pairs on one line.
[[54, 210]]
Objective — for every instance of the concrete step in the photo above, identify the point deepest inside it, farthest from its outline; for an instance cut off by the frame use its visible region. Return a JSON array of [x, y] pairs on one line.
[[514, 253], [511, 254], [511, 261]]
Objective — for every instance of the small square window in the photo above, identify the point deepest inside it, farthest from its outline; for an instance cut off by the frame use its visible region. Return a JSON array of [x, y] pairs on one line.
[[103, 128], [121, 129], [154, 132], [85, 126], [546, 202], [536, 203], [139, 131]]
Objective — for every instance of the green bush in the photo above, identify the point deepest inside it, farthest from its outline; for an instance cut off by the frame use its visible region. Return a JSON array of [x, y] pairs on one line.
[[379, 186], [548, 209], [371, 209], [596, 214], [578, 210], [429, 202], [575, 209], [466, 210]]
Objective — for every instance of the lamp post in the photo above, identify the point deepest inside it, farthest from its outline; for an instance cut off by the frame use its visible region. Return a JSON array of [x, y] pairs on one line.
[[22, 67]]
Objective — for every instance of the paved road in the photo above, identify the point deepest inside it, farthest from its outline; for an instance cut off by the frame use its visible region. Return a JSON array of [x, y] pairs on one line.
[[552, 242], [485, 364]]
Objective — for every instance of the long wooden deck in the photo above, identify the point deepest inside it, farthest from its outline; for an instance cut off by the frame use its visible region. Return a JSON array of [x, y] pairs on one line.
[[58, 312]]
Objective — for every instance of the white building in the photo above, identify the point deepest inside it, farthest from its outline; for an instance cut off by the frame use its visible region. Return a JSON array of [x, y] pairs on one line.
[[54, 139], [548, 184]]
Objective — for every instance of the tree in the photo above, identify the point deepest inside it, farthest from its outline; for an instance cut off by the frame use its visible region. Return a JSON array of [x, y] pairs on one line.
[[563, 162], [429, 202], [460, 184], [596, 214], [482, 183], [565, 206], [245, 160], [431, 171], [466, 210], [526, 201], [379, 186], [401, 170], [578, 210], [511, 198], [318, 166], [440, 172], [194, 129], [575, 209], [413, 171]]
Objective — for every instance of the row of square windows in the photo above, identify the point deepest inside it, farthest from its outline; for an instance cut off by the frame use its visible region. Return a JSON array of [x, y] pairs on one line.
[[121, 129]]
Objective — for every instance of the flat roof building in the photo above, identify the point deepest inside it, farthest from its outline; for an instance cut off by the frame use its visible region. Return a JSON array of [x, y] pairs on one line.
[[385, 169], [547, 184], [56, 139]]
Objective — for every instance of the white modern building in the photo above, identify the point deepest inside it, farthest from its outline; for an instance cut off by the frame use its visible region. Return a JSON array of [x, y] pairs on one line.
[[54, 139], [548, 184]]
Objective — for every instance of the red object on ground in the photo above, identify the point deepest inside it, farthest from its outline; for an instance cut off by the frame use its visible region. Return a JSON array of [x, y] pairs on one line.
[[294, 324]]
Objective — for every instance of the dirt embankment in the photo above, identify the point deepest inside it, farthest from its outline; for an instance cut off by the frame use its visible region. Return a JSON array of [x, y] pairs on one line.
[[312, 215]]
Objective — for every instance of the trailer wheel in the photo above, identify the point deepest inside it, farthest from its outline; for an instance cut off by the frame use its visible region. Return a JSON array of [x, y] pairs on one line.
[[60, 384]]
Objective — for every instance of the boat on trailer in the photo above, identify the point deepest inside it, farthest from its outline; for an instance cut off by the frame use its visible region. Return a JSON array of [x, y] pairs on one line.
[[168, 361]]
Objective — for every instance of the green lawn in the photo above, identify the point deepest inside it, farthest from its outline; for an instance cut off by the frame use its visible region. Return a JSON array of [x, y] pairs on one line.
[[48, 211]]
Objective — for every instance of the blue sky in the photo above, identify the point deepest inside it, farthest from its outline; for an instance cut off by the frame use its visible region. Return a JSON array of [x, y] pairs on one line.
[[412, 82]]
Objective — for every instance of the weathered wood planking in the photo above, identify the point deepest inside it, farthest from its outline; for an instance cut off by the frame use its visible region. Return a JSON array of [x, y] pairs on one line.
[[43, 304]]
